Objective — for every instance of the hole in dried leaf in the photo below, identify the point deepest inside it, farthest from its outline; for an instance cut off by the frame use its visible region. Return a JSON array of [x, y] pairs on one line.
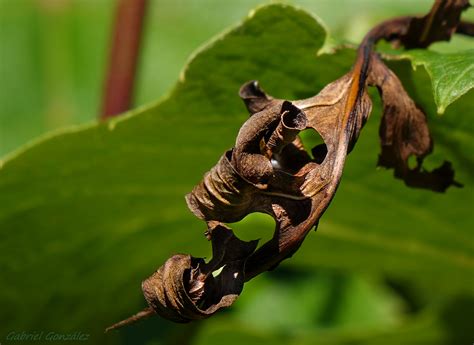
[[254, 226], [218, 271], [314, 144], [434, 160]]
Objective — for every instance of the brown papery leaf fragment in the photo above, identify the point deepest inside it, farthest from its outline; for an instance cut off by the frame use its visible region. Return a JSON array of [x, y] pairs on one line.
[[404, 132]]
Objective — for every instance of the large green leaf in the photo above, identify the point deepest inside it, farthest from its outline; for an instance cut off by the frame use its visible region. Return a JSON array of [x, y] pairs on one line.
[[88, 212]]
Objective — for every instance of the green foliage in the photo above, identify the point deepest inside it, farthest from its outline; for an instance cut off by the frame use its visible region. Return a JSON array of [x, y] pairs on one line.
[[52, 57], [89, 212]]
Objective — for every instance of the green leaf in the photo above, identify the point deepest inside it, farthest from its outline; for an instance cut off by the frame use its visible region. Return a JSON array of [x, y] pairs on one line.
[[424, 330], [332, 300], [451, 74], [89, 212]]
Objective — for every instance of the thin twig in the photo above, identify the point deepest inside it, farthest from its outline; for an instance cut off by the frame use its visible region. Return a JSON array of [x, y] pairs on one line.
[[145, 313]]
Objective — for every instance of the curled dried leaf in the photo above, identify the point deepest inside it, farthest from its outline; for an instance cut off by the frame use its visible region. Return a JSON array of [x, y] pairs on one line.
[[260, 173], [184, 289]]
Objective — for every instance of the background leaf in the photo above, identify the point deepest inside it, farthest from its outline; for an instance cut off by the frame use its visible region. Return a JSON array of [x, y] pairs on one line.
[[451, 74]]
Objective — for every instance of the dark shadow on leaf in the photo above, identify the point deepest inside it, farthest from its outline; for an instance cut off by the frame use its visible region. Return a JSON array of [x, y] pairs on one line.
[[159, 331], [457, 317]]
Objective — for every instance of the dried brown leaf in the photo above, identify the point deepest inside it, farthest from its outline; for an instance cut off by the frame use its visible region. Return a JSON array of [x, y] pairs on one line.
[[404, 133], [269, 171], [184, 289]]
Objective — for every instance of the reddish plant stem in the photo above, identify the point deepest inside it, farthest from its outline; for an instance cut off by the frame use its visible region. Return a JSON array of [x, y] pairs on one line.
[[123, 57]]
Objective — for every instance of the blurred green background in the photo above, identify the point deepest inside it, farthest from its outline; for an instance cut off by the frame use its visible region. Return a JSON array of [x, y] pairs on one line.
[[53, 55]]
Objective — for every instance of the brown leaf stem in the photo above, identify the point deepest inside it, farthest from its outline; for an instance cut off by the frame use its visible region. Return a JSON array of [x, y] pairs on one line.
[[141, 315]]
